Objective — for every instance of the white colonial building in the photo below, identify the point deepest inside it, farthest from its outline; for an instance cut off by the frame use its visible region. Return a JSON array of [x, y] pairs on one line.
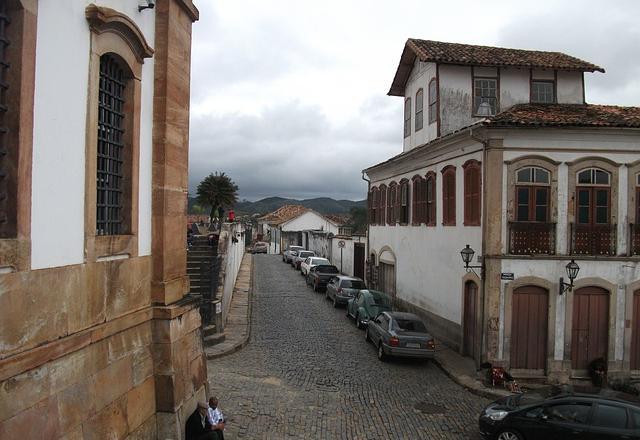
[[502, 153]]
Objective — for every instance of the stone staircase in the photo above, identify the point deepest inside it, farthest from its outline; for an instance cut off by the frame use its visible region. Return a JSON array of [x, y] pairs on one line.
[[201, 259]]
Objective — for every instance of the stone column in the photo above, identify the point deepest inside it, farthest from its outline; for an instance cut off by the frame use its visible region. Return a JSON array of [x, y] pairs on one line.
[[179, 361]]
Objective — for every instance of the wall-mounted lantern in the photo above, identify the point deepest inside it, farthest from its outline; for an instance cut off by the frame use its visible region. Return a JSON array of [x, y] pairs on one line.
[[572, 269]]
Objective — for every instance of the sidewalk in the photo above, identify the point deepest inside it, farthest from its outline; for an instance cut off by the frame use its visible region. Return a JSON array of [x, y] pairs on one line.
[[460, 369], [237, 328]]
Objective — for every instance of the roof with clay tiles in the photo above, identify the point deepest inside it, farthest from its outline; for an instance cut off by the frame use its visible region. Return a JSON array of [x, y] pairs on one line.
[[473, 55], [283, 214]]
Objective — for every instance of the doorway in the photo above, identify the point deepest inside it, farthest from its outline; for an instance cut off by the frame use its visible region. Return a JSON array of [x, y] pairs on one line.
[[590, 326], [470, 319], [358, 260], [529, 329]]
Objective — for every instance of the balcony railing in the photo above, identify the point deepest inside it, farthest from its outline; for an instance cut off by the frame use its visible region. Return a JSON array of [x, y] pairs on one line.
[[527, 238], [634, 239], [593, 239]]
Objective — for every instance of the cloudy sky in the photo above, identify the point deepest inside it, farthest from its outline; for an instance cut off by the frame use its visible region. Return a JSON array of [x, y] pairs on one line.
[[289, 97]]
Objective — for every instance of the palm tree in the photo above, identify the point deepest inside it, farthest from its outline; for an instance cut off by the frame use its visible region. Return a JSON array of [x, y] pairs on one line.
[[217, 191]]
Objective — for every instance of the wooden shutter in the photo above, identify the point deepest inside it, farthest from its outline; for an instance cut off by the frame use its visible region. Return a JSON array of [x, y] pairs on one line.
[[449, 196], [472, 186]]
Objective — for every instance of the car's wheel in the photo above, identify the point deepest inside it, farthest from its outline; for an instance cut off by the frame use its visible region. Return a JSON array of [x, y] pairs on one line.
[[315, 286], [366, 334], [335, 303], [509, 434], [357, 321], [381, 355]]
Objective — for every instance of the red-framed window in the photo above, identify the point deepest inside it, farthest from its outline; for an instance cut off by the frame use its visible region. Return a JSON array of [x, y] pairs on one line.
[[430, 202], [433, 101], [419, 109], [407, 117], [532, 194], [472, 192], [404, 204], [449, 195], [419, 199], [382, 205], [391, 203]]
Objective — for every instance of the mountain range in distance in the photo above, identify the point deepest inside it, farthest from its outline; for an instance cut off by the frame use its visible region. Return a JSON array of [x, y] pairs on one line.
[[323, 205]]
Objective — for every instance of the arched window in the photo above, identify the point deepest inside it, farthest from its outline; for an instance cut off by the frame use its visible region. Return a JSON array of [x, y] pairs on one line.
[[433, 101], [430, 189], [112, 182], [403, 202], [391, 204], [419, 108], [407, 117], [449, 196], [382, 205], [593, 197], [419, 200], [472, 191], [532, 194]]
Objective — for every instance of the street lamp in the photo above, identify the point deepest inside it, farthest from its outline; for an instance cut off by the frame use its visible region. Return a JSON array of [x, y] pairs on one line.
[[467, 256], [572, 269]]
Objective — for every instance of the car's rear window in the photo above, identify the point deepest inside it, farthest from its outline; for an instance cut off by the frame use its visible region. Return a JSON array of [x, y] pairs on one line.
[[306, 254], [352, 284], [409, 325], [327, 269], [380, 301], [319, 261]]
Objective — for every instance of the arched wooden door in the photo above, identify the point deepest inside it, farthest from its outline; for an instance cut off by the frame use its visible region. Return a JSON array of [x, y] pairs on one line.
[[590, 326], [529, 321], [635, 332], [470, 318]]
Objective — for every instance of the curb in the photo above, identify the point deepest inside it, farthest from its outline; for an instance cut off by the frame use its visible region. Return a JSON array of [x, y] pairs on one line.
[[245, 340], [482, 392]]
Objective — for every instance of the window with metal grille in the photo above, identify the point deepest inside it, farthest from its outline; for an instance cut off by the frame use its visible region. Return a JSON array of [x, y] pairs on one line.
[[5, 168], [110, 175]]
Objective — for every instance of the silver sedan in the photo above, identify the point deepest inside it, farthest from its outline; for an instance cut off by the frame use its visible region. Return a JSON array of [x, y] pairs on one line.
[[400, 334]]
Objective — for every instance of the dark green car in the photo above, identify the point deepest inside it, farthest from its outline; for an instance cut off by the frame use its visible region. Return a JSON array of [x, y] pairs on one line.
[[366, 305]]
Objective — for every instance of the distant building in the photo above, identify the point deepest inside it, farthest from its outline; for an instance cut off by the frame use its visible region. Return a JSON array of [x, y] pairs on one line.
[[502, 153], [285, 226], [97, 336]]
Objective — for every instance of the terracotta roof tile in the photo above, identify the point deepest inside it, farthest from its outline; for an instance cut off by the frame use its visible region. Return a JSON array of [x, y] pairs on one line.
[[338, 219], [283, 214], [472, 55], [455, 53], [567, 115]]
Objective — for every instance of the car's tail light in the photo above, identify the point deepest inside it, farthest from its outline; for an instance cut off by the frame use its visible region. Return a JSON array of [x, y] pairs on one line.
[[431, 344], [394, 342], [339, 289]]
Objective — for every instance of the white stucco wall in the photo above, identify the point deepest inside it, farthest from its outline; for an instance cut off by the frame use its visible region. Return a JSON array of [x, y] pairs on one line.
[[428, 263], [456, 98], [328, 247], [60, 109], [514, 87], [309, 221]]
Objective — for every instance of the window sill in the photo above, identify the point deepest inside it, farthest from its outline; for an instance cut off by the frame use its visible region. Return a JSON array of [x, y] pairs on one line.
[[472, 224], [109, 245], [448, 224]]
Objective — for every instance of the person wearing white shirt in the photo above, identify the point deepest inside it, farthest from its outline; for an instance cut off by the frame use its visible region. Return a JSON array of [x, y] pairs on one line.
[[216, 419]]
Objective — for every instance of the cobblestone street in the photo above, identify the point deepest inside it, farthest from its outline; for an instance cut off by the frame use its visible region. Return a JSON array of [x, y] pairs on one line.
[[308, 373]]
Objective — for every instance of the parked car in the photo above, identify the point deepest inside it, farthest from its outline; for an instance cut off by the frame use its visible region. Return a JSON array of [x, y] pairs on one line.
[[342, 288], [302, 255], [565, 415], [320, 275], [366, 305], [311, 262], [259, 247], [286, 255], [400, 334]]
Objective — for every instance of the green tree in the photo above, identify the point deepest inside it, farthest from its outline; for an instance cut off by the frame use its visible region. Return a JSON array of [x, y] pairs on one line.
[[358, 219], [217, 191]]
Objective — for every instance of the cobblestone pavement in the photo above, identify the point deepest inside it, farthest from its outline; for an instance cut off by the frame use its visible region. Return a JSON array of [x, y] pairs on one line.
[[308, 373]]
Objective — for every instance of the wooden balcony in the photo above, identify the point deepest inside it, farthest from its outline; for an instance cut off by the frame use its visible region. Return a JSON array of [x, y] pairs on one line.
[[530, 238], [634, 239], [593, 240]]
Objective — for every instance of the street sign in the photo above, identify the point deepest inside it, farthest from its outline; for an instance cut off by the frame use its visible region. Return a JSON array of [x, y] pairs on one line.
[[507, 276], [341, 244]]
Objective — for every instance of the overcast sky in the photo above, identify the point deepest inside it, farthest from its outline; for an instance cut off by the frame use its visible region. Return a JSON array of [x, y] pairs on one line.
[[289, 97]]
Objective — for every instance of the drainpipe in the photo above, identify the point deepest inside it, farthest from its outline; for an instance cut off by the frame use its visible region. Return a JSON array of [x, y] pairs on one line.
[[483, 346], [368, 222]]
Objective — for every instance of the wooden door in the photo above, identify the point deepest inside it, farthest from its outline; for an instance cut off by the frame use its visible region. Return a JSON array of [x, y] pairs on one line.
[[529, 320], [469, 324], [590, 327], [358, 260], [387, 281], [635, 332]]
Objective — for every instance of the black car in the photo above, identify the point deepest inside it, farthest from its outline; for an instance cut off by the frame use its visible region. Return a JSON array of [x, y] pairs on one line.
[[566, 415], [320, 275]]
